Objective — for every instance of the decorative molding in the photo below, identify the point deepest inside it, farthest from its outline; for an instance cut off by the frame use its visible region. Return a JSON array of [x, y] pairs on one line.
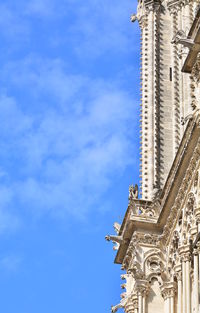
[[168, 290], [179, 201]]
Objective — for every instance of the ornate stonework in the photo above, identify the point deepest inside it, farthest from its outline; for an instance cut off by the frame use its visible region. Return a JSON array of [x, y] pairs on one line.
[[158, 243]]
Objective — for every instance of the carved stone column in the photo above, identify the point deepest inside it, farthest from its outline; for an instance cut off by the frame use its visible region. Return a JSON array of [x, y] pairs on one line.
[[140, 302], [196, 280], [179, 282], [168, 292], [129, 307], [135, 304], [188, 285], [184, 286], [186, 259], [198, 249], [142, 288]]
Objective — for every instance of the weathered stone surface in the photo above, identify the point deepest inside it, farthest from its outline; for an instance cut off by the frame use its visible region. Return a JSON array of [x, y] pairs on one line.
[[158, 243]]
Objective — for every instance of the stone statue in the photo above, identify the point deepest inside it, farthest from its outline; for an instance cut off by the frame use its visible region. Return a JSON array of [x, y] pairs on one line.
[[133, 192]]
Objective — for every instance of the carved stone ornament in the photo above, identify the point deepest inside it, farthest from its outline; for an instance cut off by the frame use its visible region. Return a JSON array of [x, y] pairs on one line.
[[133, 192], [178, 276], [168, 290], [142, 288], [180, 197], [129, 307], [195, 89], [196, 70], [168, 293]]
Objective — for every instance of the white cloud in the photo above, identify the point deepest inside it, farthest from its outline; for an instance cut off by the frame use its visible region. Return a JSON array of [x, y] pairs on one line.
[[69, 150], [102, 26]]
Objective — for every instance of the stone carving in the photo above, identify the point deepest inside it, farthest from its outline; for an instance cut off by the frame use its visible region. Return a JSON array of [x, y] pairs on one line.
[[122, 304], [160, 255], [133, 192], [117, 240], [181, 38], [196, 70]]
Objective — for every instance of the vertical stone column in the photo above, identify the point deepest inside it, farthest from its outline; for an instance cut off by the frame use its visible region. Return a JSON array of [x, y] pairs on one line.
[[197, 258], [179, 291], [129, 307], [142, 287], [196, 280], [135, 304], [168, 292], [140, 302], [186, 260], [184, 287], [188, 285], [198, 249]]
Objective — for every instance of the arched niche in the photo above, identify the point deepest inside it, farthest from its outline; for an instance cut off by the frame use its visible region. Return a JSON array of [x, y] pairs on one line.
[[154, 300]]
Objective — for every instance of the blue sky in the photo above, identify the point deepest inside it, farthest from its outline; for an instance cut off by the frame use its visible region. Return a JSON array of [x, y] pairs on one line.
[[69, 149]]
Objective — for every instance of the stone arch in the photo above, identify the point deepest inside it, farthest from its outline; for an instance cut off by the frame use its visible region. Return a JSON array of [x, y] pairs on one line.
[[154, 300]]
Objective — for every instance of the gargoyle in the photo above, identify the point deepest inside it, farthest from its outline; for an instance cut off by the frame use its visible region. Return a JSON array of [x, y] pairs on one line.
[[117, 240], [120, 305], [196, 110], [181, 38], [133, 18], [124, 276], [114, 239]]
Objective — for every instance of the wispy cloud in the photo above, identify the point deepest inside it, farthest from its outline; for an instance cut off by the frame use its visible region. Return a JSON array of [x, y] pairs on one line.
[[10, 263], [74, 137], [93, 29], [64, 134]]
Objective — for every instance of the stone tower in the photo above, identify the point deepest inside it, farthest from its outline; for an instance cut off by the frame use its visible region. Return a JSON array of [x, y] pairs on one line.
[[165, 91], [158, 242]]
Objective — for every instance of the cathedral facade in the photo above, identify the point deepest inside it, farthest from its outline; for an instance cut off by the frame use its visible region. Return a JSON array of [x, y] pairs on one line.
[[158, 242]]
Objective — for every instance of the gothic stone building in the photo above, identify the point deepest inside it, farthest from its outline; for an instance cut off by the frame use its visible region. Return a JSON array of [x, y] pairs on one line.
[[158, 243]]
